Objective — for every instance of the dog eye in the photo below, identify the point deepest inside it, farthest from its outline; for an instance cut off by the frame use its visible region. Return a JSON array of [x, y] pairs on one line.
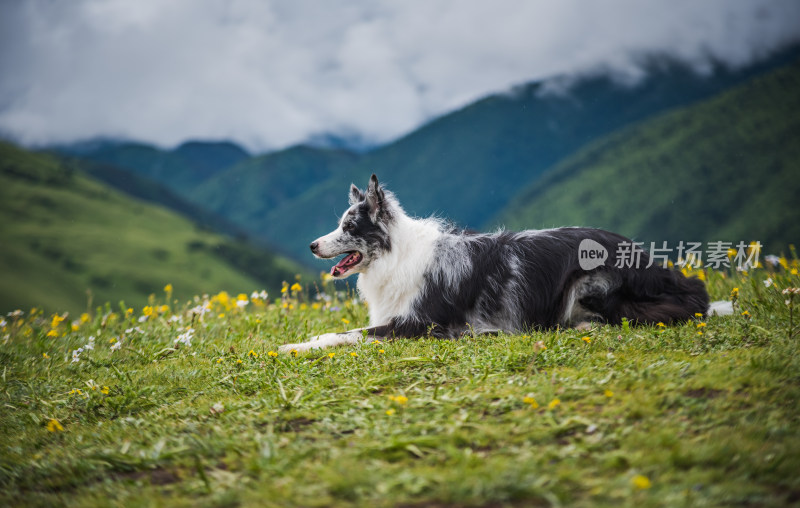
[[348, 226]]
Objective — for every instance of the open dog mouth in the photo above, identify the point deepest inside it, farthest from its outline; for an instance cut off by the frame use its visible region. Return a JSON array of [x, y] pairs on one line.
[[347, 263]]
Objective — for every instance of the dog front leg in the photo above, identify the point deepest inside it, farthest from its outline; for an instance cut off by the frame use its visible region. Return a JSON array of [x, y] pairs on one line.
[[340, 339], [325, 340]]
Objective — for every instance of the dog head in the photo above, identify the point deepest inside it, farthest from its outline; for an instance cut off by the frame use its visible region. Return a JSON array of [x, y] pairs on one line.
[[363, 232]]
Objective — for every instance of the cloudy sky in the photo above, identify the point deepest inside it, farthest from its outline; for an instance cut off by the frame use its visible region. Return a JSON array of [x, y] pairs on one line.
[[270, 73]]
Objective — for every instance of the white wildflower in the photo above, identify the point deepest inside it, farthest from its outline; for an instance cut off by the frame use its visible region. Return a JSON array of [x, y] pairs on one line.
[[241, 303], [3, 323], [217, 408], [768, 282], [174, 319], [76, 355], [143, 318], [263, 295], [116, 345], [186, 337], [90, 344], [772, 259]]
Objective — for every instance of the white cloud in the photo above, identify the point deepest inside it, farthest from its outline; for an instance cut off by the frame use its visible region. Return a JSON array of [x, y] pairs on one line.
[[273, 73]]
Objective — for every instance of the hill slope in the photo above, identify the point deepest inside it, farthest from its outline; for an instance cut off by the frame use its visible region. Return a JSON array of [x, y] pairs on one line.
[[249, 191], [63, 233], [180, 169], [727, 169]]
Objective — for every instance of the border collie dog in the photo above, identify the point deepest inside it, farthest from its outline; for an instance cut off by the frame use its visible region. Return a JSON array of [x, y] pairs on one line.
[[421, 277]]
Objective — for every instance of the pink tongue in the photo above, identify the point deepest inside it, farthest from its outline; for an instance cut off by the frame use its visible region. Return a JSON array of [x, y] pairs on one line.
[[342, 265]]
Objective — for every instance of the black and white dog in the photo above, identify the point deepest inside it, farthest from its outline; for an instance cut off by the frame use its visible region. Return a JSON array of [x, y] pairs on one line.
[[421, 277]]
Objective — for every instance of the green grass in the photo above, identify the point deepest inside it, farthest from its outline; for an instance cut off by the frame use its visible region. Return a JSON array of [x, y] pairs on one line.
[[64, 233], [706, 420]]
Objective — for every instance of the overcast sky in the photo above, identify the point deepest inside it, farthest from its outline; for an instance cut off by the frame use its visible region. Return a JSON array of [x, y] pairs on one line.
[[270, 73]]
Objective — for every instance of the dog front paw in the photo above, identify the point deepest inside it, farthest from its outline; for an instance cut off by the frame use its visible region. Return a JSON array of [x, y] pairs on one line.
[[301, 347]]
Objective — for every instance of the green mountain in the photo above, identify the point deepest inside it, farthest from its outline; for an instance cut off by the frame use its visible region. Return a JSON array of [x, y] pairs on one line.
[[180, 169], [63, 233], [248, 192], [727, 169]]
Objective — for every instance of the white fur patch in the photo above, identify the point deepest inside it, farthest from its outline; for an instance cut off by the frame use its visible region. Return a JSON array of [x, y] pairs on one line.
[[720, 308], [396, 278], [325, 340]]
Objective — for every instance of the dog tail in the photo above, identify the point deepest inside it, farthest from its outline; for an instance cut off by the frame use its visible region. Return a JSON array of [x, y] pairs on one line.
[[720, 308]]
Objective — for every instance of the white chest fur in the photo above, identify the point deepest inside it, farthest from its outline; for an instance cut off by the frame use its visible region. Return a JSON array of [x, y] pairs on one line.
[[393, 281]]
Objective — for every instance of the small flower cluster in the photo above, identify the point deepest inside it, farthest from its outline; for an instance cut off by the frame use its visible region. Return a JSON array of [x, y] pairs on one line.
[[76, 354]]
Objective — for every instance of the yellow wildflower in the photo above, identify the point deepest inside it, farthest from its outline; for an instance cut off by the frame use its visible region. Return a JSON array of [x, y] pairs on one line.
[[56, 320], [608, 393], [54, 426], [254, 354], [376, 341], [793, 271], [746, 314], [381, 351], [530, 400], [554, 403], [128, 311], [661, 325], [331, 355], [273, 354], [219, 360], [45, 355], [345, 321], [400, 399], [701, 325], [296, 287], [104, 390], [168, 288], [85, 318], [698, 315], [163, 309], [147, 310], [52, 333], [734, 293], [238, 361], [353, 354], [293, 352], [285, 287], [586, 339], [641, 482], [390, 412]]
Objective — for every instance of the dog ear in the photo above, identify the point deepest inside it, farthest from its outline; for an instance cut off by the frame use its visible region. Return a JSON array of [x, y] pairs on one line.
[[356, 196], [375, 198]]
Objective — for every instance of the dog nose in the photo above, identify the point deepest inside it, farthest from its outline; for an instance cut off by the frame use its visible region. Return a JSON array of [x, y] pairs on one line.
[[314, 246]]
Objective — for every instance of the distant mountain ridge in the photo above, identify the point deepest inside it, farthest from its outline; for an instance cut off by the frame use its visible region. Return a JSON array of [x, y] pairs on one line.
[[466, 165]]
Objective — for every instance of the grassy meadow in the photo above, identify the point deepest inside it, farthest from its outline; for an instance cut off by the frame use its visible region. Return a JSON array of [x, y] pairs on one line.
[[189, 404]]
